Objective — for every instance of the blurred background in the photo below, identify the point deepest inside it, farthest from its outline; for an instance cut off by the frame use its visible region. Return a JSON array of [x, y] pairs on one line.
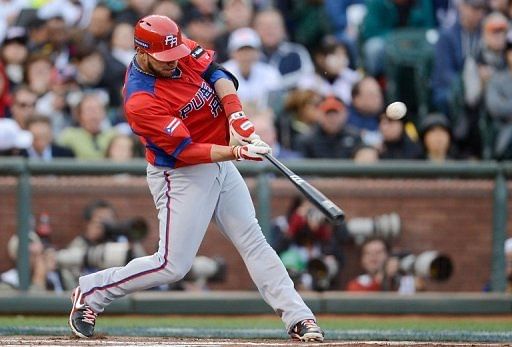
[[426, 196]]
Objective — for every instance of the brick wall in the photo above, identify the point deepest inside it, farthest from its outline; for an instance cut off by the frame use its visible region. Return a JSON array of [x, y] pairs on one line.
[[453, 216]]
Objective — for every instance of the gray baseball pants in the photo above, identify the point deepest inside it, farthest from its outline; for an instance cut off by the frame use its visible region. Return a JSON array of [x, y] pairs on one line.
[[186, 199]]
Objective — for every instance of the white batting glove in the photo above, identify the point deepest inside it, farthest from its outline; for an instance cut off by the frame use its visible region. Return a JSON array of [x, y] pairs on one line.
[[241, 129], [259, 142], [251, 152]]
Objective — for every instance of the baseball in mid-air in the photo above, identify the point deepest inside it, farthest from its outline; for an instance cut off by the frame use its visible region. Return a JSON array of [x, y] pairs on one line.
[[396, 110]]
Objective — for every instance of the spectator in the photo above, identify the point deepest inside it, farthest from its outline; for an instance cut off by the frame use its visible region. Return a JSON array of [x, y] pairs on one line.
[[380, 270], [14, 53], [498, 101], [333, 75], [99, 30], [455, 44], [306, 242], [43, 146], [436, 138], [445, 13], [45, 275], [345, 31], [58, 46], [367, 105], [12, 138], [98, 247], [263, 123], [88, 140], [475, 76], [291, 59], [95, 70], [236, 14], [23, 105], [122, 43], [202, 28], [121, 148], [39, 70], [331, 138], [260, 84], [299, 116], [396, 143], [383, 17]]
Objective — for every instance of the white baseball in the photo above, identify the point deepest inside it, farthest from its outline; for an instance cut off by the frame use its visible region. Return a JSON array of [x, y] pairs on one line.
[[396, 110]]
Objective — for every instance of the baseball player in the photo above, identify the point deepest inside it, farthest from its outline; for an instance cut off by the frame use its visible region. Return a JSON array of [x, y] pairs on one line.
[[185, 109]]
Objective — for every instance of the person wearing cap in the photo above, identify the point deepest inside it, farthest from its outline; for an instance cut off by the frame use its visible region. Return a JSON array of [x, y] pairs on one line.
[[455, 44], [331, 138], [185, 109], [435, 132], [260, 83], [497, 100]]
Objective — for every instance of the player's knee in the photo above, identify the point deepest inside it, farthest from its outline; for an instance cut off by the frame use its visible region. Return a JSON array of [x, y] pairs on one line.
[[176, 272]]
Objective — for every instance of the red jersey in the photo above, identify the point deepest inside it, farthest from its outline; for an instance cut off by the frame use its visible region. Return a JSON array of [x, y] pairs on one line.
[[179, 118]]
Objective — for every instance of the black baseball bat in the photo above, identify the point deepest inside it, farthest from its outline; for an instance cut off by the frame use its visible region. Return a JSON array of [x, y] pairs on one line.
[[326, 206]]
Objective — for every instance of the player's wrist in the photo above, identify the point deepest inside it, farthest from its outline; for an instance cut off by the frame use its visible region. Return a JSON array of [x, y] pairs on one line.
[[231, 104]]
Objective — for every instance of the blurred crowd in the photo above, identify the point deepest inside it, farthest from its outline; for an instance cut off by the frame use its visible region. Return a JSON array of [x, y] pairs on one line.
[[315, 75]]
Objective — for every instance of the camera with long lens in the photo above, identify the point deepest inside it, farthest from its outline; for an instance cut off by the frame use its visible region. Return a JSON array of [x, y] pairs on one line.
[[112, 251], [429, 264], [134, 229], [385, 226], [205, 269], [322, 271]]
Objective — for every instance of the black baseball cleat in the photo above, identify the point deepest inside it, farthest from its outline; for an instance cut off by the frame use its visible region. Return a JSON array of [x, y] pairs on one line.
[[307, 331], [81, 319]]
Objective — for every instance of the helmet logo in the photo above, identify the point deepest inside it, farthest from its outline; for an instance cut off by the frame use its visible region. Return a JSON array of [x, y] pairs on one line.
[[171, 40], [141, 43]]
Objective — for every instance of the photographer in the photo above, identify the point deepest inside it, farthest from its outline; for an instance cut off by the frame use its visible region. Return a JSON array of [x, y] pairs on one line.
[[308, 246], [105, 241], [381, 271]]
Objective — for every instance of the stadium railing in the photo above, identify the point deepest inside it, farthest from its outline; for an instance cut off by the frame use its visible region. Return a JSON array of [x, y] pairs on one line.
[[498, 171]]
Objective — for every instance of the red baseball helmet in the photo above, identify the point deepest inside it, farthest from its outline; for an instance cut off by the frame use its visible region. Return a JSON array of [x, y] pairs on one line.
[[160, 37]]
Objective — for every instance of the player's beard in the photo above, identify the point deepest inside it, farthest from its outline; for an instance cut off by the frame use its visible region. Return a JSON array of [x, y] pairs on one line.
[[157, 72]]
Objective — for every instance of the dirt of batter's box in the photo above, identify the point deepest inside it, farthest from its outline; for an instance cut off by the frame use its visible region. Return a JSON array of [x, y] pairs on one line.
[[170, 341]]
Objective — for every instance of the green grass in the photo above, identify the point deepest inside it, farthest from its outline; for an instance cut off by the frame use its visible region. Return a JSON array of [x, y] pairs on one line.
[[330, 322]]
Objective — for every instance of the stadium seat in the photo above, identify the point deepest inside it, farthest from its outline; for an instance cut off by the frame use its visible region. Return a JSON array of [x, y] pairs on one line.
[[409, 55]]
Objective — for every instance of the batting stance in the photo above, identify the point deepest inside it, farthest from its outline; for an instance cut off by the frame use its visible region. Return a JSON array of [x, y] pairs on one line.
[[185, 110]]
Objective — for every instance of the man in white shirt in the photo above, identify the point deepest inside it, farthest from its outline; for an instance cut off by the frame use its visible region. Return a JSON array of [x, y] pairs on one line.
[[260, 84]]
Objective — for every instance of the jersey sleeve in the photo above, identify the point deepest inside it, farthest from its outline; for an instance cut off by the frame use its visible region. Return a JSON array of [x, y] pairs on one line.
[[163, 134], [199, 58]]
